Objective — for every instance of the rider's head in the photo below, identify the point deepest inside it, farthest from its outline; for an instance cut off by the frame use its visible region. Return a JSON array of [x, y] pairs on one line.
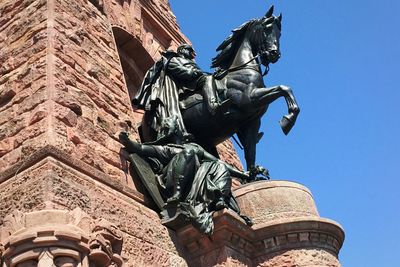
[[186, 51]]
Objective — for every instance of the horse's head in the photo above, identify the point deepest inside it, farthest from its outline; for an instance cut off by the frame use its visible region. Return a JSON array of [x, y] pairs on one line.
[[264, 37]]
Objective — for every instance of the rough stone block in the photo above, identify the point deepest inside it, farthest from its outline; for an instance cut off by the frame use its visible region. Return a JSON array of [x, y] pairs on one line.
[[6, 94]]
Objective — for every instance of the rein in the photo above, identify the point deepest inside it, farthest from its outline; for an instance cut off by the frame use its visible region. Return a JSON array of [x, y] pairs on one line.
[[244, 66]]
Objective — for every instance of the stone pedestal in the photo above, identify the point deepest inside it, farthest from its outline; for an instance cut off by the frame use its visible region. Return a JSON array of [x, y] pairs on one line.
[[287, 231]]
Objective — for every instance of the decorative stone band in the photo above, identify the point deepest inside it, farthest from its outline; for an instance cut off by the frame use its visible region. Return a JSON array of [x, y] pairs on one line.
[[55, 155], [300, 232]]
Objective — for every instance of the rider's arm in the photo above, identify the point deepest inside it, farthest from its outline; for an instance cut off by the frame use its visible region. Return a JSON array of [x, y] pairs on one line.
[[182, 69]]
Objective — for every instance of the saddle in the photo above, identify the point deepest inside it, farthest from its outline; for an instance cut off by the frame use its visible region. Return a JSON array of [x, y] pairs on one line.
[[192, 98]]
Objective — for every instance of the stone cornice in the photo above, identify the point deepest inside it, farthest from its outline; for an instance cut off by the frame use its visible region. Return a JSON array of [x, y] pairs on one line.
[[57, 156], [164, 23]]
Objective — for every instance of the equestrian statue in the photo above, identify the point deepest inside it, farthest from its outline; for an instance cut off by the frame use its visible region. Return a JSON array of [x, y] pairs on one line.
[[188, 112], [171, 87]]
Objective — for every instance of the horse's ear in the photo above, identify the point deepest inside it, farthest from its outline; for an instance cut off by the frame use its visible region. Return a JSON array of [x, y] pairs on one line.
[[269, 12], [280, 17]]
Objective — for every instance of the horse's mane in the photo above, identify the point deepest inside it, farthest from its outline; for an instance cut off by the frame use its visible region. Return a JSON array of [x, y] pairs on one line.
[[229, 46]]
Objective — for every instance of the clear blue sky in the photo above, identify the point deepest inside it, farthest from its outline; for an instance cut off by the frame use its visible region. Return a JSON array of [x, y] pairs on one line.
[[341, 59]]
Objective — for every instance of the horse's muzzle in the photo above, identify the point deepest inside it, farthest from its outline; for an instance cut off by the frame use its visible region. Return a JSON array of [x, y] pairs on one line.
[[270, 57], [274, 56]]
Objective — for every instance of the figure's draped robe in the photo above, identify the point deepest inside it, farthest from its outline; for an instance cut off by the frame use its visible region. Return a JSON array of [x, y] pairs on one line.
[[207, 182]]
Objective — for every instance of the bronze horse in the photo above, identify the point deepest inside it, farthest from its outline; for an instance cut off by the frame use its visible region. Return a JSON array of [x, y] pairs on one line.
[[239, 78]]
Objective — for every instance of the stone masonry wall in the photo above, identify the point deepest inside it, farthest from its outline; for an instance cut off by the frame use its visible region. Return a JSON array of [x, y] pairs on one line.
[[91, 103], [299, 257], [62, 84], [60, 76], [23, 84]]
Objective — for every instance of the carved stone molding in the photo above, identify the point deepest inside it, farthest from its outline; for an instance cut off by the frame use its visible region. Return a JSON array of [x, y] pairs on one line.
[[151, 22], [50, 238], [45, 237], [99, 4], [105, 244]]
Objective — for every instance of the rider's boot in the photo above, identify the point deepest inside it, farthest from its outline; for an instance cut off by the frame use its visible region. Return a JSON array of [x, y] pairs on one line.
[[220, 203], [175, 199]]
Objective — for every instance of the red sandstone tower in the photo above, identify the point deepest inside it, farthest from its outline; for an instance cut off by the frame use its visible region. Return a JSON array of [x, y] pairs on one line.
[[68, 70]]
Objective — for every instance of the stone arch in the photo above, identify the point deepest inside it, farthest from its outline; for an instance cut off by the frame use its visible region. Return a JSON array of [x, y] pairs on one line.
[[135, 59]]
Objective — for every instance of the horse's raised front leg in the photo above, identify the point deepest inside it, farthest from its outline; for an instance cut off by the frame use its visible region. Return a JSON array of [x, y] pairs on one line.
[[265, 96]]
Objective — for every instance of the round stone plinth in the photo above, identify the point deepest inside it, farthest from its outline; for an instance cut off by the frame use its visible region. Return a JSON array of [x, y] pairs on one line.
[[267, 201], [287, 231]]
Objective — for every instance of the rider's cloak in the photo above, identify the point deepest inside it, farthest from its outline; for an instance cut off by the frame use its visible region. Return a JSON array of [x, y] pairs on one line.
[[159, 92]]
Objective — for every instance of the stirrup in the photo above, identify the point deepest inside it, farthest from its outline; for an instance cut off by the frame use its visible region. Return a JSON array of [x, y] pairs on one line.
[[220, 107], [224, 105]]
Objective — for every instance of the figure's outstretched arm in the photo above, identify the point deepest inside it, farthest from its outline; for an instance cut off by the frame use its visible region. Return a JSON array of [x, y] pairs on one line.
[[208, 156], [235, 172], [232, 170], [135, 147]]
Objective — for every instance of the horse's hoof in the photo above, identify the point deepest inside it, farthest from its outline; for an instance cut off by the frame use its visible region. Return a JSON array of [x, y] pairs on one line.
[[287, 123]]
